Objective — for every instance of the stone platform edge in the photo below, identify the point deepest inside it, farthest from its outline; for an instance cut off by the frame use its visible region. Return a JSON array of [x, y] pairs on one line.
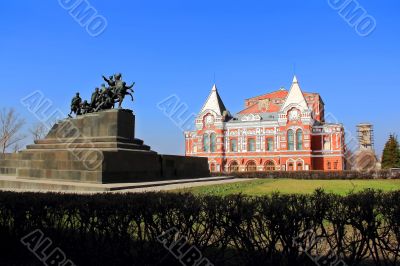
[[11, 183], [171, 167]]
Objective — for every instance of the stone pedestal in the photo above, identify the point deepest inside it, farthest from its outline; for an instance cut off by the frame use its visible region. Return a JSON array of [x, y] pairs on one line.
[[101, 148]]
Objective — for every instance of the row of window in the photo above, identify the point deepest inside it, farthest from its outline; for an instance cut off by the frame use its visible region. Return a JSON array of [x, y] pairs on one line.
[[335, 165], [268, 166], [210, 142], [251, 166], [294, 140], [298, 168]]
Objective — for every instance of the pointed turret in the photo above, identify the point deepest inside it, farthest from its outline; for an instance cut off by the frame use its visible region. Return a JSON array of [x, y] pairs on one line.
[[295, 96], [214, 103]]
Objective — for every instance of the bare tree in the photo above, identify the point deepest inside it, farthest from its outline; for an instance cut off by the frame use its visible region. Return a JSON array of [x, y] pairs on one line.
[[16, 147], [38, 131], [350, 157], [10, 127]]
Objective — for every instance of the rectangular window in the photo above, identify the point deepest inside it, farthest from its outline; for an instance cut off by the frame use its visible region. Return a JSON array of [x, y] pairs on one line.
[[252, 145], [335, 165], [206, 143], [327, 143], [234, 145], [290, 140], [299, 140], [329, 166], [270, 144], [213, 146]]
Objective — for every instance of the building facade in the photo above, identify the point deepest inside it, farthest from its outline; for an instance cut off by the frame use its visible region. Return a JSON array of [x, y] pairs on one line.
[[278, 131]]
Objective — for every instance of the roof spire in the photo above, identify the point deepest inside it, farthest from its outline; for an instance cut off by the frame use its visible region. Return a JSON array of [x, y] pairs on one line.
[[295, 96], [214, 102]]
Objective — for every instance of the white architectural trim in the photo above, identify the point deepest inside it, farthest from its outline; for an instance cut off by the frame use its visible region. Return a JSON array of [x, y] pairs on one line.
[[295, 98], [213, 102]]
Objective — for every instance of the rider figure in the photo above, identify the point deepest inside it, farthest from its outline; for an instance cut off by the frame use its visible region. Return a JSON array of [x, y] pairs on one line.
[[76, 105], [86, 108], [122, 91], [95, 98]]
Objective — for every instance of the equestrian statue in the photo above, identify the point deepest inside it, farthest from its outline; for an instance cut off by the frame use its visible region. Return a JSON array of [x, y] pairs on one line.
[[103, 98]]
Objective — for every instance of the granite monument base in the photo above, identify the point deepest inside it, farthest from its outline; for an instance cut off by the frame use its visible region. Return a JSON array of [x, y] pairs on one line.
[[98, 148]]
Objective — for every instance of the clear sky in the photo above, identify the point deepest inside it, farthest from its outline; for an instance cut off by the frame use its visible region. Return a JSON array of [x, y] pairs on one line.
[[175, 47]]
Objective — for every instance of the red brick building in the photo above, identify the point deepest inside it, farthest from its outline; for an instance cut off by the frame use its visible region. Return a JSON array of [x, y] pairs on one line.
[[278, 131]]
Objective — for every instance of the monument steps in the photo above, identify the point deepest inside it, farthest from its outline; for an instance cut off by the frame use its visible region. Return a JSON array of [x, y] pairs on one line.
[[89, 140], [54, 164], [60, 175], [9, 163], [8, 171], [12, 183], [9, 156], [102, 145]]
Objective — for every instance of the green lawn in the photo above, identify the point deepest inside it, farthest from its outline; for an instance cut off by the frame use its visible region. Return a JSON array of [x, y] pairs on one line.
[[259, 187]]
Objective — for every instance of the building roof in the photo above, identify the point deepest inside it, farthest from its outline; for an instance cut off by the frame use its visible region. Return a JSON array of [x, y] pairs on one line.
[[276, 101], [281, 93], [263, 116], [214, 102], [295, 96]]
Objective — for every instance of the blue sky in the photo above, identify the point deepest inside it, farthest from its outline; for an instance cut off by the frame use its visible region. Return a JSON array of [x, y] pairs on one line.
[[175, 47]]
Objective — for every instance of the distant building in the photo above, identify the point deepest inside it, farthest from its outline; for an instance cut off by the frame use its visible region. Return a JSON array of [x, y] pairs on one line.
[[365, 157], [365, 136], [278, 131]]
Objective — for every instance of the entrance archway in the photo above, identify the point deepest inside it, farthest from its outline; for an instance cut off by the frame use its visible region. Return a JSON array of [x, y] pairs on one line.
[[234, 167], [269, 166], [251, 166]]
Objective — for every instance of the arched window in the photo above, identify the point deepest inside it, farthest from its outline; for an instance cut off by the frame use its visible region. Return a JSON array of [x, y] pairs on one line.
[[251, 144], [234, 167], [234, 145], [290, 140], [290, 167], [299, 140], [206, 143], [251, 166], [299, 166], [269, 166], [213, 145]]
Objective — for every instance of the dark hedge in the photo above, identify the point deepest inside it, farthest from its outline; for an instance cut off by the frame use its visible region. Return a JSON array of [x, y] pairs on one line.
[[320, 175], [122, 229]]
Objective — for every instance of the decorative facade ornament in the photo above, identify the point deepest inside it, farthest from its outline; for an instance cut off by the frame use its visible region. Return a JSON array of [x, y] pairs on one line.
[[251, 117]]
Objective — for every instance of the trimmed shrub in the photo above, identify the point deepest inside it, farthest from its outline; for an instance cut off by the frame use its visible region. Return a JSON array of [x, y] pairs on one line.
[[122, 229], [320, 175]]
